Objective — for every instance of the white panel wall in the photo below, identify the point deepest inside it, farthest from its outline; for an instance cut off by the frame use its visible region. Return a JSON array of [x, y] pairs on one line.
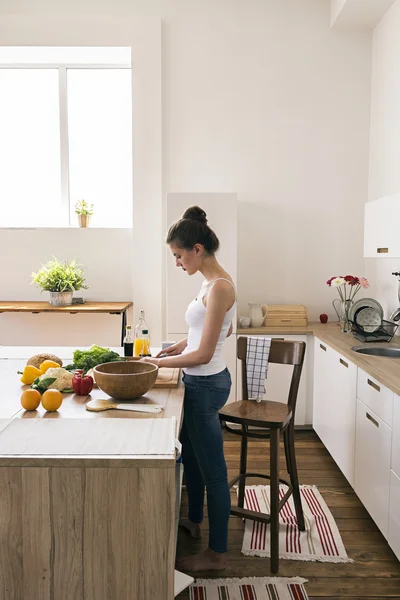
[[107, 262]]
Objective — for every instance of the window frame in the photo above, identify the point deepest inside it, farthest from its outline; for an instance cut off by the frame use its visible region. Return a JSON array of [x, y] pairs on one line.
[[62, 68]]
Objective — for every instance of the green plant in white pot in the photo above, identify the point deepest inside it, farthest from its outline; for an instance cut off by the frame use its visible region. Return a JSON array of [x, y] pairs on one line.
[[84, 212], [60, 279]]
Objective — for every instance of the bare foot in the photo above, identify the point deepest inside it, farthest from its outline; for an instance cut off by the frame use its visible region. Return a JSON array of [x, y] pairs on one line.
[[192, 528], [209, 560]]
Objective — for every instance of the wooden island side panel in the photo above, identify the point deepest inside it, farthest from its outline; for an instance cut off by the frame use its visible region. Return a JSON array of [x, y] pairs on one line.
[[80, 533]]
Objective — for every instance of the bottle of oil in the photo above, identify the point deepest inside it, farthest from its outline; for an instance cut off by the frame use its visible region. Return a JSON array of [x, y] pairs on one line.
[[142, 337], [128, 341]]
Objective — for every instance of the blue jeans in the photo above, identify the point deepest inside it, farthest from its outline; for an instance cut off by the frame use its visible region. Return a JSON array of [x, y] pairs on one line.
[[203, 453]]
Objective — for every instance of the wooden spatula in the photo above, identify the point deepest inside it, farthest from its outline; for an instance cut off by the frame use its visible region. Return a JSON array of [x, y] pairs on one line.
[[99, 405]]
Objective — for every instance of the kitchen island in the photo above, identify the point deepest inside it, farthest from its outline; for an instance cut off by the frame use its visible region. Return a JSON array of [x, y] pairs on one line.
[[88, 500]]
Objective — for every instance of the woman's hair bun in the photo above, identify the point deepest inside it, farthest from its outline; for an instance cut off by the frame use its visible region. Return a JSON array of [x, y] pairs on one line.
[[195, 213]]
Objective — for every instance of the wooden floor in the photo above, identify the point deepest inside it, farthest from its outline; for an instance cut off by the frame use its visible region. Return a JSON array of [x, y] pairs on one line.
[[375, 572]]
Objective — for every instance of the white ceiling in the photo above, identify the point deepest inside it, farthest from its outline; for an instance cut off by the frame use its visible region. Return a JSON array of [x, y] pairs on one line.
[[358, 14]]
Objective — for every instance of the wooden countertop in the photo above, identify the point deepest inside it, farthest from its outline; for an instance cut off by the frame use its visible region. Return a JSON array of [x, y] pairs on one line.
[[88, 307], [12, 416], [383, 369]]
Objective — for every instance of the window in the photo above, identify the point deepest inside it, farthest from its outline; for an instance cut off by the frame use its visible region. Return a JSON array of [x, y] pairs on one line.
[[66, 135]]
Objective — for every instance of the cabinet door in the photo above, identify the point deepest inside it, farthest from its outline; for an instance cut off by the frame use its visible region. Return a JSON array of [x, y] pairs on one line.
[[394, 514], [278, 380], [380, 227], [342, 414], [321, 388], [372, 464], [335, 384], [396, 437]]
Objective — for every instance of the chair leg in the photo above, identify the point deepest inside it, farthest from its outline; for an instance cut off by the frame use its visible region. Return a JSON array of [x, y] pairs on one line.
[[292, 470], [274, 500], [243, 466]]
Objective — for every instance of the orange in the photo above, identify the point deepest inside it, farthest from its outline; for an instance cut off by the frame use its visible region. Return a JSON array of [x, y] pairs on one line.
[[30, 399], [51, 400]]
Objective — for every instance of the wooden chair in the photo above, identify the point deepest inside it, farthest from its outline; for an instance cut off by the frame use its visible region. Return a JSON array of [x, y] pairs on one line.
[[275, 418]]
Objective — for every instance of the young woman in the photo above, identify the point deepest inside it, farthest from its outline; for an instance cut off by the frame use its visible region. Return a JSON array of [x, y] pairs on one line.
[[207, 385]]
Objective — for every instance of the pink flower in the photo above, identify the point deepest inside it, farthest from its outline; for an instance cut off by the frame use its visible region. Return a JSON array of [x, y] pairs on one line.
[[364, 282]]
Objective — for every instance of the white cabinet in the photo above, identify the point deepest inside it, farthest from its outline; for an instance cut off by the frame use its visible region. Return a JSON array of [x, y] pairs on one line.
[[181, 289], [335, 384], [394, 503], [396, 436], [381, 237], [372, 464], [394, 514], [278, 380]]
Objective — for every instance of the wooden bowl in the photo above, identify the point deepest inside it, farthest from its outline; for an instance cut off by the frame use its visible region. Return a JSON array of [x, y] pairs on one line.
[[125, 380]]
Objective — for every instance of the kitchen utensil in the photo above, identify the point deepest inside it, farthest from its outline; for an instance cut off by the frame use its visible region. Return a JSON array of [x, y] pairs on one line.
[[244, 322], [99, 405], [256, 315], [125, 380], [365, 303], [368, 318]]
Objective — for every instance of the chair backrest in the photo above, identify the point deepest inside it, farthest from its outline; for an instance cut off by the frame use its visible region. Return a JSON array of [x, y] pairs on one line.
[[282, 352]]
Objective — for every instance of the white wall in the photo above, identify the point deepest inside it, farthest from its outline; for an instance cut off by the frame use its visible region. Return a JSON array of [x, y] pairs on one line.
[[384, 172], [108, 278], [262, 99]]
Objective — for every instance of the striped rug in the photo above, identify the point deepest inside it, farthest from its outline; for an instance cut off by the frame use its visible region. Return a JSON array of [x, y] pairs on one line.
[[250, 588], [320, 542]]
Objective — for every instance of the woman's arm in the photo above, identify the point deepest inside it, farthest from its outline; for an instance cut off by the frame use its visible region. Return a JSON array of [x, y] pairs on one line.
[[219, 301]]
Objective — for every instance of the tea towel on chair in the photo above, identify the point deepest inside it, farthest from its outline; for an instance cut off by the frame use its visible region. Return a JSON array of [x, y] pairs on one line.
[[257, 356]]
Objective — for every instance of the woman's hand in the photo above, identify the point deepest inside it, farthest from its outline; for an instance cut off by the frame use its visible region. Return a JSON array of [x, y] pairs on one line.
[[153, 361], [177, 348]]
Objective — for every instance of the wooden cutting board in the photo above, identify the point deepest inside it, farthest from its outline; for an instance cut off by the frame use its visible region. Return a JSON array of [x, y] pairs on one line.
[[167, 378]]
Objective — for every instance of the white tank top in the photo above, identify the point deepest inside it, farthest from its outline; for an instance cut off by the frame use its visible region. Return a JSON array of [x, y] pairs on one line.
[[195, 317]]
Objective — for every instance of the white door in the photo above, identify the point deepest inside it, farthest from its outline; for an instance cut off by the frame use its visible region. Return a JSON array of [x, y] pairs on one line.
[[372, 465], [278, 380]]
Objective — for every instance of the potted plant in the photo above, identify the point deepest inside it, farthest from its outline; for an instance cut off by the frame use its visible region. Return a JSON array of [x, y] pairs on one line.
[[84, 212], [60, 279]]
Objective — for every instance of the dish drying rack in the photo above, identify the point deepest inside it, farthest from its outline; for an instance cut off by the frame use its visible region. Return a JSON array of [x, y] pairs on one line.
[[384, 333]]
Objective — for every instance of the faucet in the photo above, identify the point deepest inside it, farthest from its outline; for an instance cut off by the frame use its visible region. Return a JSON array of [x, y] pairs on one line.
[[395, 316]]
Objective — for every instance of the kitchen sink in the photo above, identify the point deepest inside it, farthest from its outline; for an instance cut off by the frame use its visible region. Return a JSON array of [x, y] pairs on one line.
[[377, 351]]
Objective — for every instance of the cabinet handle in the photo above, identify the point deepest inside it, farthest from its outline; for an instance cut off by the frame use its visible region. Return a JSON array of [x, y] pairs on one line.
[[372, 384], [344, 363], [382, 250], [372, 419], [322, 347]]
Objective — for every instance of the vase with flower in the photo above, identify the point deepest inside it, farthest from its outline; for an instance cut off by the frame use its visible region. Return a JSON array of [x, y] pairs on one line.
[[347, 287]]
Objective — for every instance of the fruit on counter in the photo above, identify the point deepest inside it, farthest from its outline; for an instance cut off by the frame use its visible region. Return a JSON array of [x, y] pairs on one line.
[[52, 400], [57, 379], [48, 364], [30, 399], [81, 383], [38, 359], [323, 318], [96, 355], [29, 374]]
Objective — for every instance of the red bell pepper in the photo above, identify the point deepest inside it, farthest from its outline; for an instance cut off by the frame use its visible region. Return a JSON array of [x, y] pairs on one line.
[[82, 384]]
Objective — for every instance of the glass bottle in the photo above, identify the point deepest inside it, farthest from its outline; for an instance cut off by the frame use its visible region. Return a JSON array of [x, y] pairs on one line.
[[142, 337], [128, 341]]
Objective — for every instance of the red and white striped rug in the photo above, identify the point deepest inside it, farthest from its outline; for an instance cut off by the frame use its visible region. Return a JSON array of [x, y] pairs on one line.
[[320, 541], [249, 588]]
